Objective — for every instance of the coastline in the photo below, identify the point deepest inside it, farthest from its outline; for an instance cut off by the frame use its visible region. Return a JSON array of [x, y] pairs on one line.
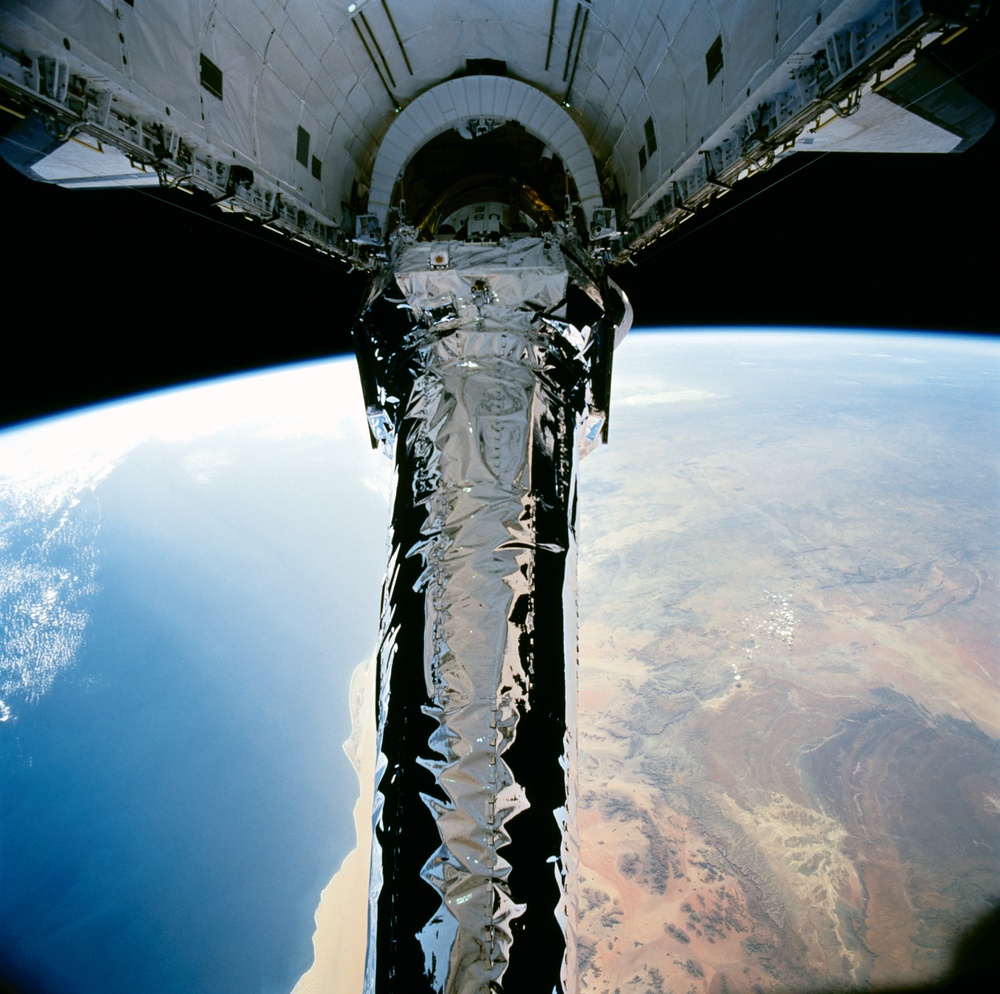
[[341, 934]]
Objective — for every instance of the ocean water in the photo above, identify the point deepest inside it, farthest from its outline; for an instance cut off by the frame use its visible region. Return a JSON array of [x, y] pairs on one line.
[[176, 796]]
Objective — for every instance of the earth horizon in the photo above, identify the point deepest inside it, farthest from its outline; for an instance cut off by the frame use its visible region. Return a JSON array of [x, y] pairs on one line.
[[789, 740]]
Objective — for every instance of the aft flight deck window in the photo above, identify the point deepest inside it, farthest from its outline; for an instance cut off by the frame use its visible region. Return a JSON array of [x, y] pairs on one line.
[[650, 135], [211, 77], [713, 59], [317, 168], [302, 147]]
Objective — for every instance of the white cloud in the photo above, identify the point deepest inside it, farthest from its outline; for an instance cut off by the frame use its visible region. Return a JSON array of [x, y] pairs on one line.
[[666, 397]]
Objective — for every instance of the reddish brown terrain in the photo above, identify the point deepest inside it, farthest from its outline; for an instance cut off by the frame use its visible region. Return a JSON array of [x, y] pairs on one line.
[[788, 708]]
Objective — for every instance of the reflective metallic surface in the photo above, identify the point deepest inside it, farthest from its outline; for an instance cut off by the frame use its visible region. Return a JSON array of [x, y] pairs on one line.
[[477, 681]]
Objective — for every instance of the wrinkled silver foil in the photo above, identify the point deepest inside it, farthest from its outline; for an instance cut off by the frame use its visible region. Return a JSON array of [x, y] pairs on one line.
[[485, 442]]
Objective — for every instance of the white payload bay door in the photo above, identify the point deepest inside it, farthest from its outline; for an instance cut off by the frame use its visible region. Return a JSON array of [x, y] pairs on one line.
[[300, 111]]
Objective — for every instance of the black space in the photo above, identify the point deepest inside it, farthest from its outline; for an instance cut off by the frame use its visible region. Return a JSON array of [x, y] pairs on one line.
[[112, 292]]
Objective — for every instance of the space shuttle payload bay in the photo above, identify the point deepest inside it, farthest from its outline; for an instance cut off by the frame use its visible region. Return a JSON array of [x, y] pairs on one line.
[[487, 165], [307, 115]]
